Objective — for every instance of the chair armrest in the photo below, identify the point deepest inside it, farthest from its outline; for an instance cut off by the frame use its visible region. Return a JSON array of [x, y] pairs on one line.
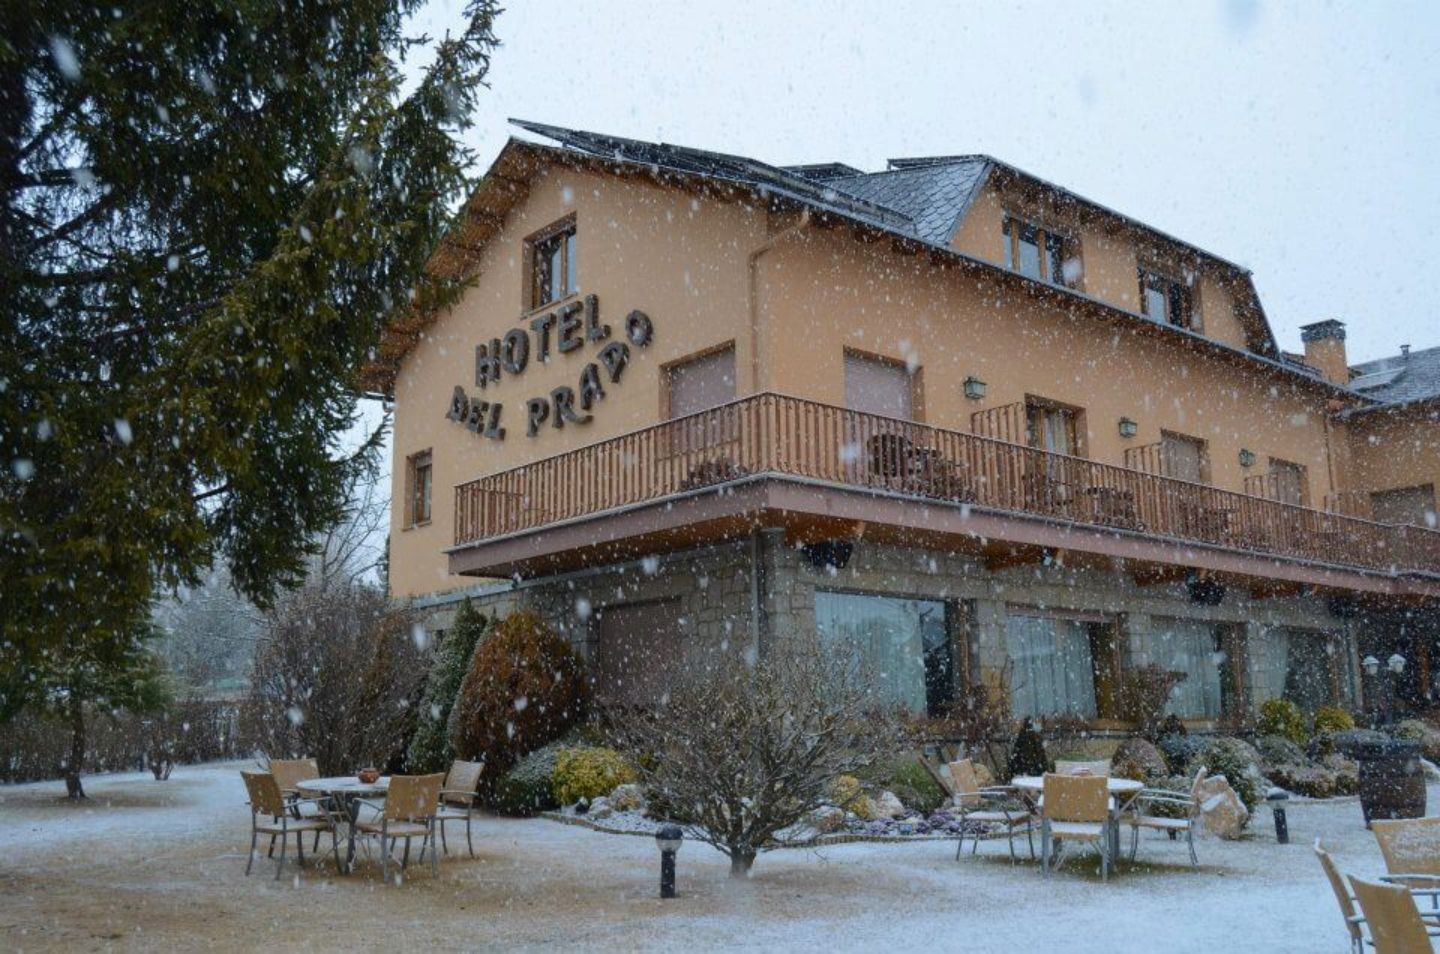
[[458, 792], [1406, 878]]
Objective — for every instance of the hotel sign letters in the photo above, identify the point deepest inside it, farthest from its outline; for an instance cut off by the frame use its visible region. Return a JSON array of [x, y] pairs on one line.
[[562, 331]]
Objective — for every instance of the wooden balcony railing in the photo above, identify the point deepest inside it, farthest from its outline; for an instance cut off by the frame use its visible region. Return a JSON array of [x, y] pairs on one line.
[[792, 437]]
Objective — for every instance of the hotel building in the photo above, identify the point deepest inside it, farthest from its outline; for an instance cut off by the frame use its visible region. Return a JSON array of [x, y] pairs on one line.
[[986, 430]]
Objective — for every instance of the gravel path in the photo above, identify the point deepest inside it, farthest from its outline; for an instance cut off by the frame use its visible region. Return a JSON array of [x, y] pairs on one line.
[[160, 866]]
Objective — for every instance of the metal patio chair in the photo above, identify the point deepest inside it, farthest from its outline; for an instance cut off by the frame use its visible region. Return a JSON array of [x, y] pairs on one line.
[[287, 773], [267, 801], [409, 810], [1076, 809], [457, 800], [1139, 818], [1391, 917], [968, 797], [1411, 849]]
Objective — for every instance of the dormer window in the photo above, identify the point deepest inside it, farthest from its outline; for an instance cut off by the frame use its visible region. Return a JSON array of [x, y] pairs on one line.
[[552, 263], [1166, 300], [1040, 253]]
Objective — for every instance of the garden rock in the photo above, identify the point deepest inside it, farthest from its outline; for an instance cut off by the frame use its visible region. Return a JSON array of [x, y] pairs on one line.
[[1224, 813], [1423, 732], [601, 808], [628, 798], [887, 805], [827, 818]]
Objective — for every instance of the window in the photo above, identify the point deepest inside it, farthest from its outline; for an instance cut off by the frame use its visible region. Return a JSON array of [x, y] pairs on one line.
[[1307, 667], [553, 263], [1290, 483], [418, 480], [699, 383], [1414, 505], [902, 644], [1052, 427], [1166, 300], [1052, 664], [1184, 457], [877, 385], [1194, 648], [1041, 253]]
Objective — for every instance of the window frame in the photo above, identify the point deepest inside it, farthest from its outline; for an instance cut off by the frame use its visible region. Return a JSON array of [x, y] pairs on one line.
[[567, 233], [668, 369], [1075, 424], [1179, 436], [1176, 290], [1301, 471], [1052, 244], [415, 464]]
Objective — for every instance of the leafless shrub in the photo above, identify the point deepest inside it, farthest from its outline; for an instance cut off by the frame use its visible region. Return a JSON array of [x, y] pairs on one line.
[[741, 750], [336, 679]]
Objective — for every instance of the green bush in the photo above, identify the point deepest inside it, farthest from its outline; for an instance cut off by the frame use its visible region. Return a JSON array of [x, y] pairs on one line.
[[911, 782], [1283, 718], [1235, 760], [588, 772], [430, 749], [526, 789], [1139, 760], [1333, 719], [525, 687], [1278, 750]]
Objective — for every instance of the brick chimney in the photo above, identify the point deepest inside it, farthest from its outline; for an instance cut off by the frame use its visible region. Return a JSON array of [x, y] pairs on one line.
[[1325, 349]]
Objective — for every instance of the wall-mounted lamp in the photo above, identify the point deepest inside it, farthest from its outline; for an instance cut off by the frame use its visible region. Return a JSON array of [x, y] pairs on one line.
[[1128, 428], [974, 388], [1247, 458]]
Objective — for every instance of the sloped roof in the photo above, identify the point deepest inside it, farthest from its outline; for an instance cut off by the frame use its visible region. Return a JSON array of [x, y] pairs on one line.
[[1400, 378], [922, 200], [935, 196]]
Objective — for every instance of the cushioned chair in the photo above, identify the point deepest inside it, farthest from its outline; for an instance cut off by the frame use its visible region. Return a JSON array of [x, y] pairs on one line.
[[1005, 810], [409, 810], [268, 802], [1076, 809]]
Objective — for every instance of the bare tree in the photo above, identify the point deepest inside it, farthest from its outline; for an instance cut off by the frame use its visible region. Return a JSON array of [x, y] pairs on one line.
[[741, 750], [337, 679]]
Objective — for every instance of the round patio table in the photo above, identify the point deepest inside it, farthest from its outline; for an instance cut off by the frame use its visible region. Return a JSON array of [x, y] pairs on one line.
[[1122, 795], [345, 791]]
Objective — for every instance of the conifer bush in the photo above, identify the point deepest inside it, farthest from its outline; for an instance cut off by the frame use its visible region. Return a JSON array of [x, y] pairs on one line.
[[1027, 755], [430, 749], [525, 687]]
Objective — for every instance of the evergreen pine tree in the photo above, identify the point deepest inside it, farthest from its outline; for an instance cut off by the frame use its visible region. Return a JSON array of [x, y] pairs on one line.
[[207, 213], [430, 749]]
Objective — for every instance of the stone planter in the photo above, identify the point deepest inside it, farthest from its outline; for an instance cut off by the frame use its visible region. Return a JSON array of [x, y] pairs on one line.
[[1392, 783]]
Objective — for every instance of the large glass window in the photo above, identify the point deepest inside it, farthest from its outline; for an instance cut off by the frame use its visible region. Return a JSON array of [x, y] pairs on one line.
[[1166, 300], [902, 644], [1194, 648], [1040, 253], [1052, 665], [1305, 667]]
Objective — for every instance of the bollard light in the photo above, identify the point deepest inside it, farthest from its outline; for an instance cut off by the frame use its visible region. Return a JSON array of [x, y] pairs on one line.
[[1277, 797], [668, 839]]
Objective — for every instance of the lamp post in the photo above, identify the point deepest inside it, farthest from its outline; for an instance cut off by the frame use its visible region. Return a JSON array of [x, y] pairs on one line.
[[668, 838], [1394, 666]]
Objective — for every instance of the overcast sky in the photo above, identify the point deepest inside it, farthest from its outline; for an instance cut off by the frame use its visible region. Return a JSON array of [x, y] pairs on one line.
[[1298, 140]]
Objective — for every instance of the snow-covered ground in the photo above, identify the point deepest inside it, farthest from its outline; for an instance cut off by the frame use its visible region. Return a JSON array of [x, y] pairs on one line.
[[160, 866]]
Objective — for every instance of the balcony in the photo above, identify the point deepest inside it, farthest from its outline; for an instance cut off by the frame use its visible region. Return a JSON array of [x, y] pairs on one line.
[[981, 487]]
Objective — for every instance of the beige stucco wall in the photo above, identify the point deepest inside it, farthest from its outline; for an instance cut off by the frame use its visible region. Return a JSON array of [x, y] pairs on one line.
[[1395, 449], [840, 294], [681, 260], [687, 261]]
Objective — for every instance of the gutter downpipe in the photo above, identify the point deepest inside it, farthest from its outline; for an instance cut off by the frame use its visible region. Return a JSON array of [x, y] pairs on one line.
[[759, 582]]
